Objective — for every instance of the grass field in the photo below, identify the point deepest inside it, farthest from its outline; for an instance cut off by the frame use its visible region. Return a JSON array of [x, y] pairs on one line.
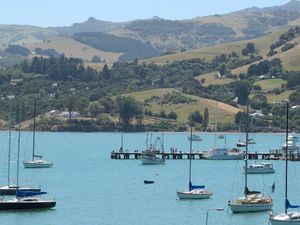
[[270, 84], [72, 48], [212, 78], [278, 98], [262, 45], [225, 112]]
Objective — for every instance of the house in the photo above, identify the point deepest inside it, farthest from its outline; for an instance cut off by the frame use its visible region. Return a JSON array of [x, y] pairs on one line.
[[257, 114], [67, 114]]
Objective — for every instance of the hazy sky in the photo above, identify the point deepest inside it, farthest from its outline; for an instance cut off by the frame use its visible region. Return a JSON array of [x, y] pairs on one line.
[[66, 12]]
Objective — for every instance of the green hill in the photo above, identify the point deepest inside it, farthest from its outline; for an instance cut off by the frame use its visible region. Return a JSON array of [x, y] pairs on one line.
[[224, 111]]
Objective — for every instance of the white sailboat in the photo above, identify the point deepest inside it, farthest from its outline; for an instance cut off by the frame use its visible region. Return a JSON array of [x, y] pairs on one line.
[[252, 201], [286, 218], [36, 160], [194, 191]]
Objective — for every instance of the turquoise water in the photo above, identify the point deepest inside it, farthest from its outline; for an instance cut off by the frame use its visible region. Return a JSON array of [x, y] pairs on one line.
[[92, 189]]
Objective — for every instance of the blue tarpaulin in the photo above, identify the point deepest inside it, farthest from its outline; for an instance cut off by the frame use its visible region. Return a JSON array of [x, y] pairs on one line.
[[22, 194], [192, 187]]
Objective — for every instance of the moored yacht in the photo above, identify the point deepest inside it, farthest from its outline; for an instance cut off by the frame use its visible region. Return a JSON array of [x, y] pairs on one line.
[[261, 168], [223, 154]]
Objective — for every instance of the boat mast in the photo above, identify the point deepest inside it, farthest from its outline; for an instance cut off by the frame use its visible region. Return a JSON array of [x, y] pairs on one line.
[[18, 159], [216, 125], [9, 147], [162, 143], [122, 141], [286, 154], [190, 169], [33, 136], [246, 154]]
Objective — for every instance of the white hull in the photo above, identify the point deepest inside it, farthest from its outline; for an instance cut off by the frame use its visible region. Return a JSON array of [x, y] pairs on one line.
[[284, 219], [193, 195], [37, 164], [260, 171], [225, 157], [153, 161], [239, 208]]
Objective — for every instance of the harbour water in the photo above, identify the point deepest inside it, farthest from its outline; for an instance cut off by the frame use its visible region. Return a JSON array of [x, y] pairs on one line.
[[92, 189]]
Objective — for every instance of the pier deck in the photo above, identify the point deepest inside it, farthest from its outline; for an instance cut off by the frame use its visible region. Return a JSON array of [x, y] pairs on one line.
[[271, 155]]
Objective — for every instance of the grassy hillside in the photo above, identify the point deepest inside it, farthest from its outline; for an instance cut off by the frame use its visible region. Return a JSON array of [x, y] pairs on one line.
[[225, 112], [262, 44], [22, 35], [212, 78], [270, 84], [72, 48]]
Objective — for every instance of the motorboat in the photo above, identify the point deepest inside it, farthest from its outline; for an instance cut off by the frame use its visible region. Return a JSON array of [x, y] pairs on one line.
[[195, 138], [261, 168], [223, 154], [149, 156]]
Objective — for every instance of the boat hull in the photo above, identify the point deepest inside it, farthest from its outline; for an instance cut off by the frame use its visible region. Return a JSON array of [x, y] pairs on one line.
[[32, 164], [225, 157], [26, 205], [148, 161], [12, 190], [260, 171], [283, 220], [188, 195], [240, 208], [148, 181]]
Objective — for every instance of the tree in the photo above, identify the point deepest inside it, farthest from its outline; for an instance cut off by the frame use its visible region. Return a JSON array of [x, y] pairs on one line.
[[259, 102], [82, 105], [95, 108], [105, 72], [205, 119], [250, 47], [96, 59], [242, 91], [172, 115], [244, 52], [195, 117], [71, 104], [240, 118], [127, 108]]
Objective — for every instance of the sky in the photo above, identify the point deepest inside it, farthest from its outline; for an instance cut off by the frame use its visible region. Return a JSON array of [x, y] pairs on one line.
[[66, 12]]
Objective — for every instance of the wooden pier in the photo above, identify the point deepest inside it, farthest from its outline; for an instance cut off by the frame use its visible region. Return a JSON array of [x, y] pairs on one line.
[[271, 155]]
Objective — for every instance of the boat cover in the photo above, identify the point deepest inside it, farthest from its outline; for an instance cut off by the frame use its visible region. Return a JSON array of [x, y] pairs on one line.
[[288, 205], [192, 187], [22, 194], [248, 192]]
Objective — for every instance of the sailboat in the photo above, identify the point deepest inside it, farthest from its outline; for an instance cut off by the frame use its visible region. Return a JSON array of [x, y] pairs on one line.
[[149, 156], [36, 161], [10, 189], [195, 191], [252, 201], [221, 153], [25, 199], [286, 218]]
